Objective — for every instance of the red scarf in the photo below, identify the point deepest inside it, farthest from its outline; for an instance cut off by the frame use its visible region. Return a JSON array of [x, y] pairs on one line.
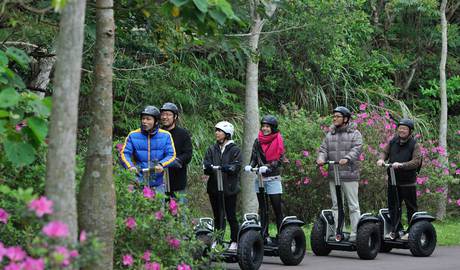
[[272, 145]]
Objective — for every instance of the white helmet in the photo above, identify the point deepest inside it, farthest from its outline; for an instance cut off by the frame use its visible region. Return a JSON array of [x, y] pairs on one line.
[[226, 127]]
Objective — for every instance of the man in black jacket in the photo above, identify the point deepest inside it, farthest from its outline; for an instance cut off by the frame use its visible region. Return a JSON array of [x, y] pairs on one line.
[[183, 146], [404, 152]]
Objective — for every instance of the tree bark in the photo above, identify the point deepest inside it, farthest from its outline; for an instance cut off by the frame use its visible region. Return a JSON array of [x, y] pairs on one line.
[[441, 208], [96, 200], [60, 167], [251, 119], [41, 80]]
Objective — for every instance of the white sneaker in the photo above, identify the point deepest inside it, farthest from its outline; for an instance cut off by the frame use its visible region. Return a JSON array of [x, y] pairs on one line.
[[233, 246], [405, 237]]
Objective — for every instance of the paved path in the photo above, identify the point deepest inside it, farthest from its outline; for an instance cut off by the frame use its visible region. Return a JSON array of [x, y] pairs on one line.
[[443, 258]]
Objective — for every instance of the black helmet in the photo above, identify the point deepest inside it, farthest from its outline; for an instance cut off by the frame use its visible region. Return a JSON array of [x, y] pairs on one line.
[[152, 111], [343, 110], [169, 106], [406, 122], [270, 120]]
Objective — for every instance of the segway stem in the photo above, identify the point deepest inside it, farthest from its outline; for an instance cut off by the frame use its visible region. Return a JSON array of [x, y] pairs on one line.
[[220, 196], [338, 193], [396, 213]]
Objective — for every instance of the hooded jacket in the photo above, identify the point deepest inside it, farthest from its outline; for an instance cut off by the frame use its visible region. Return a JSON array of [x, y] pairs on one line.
[[343, 143]]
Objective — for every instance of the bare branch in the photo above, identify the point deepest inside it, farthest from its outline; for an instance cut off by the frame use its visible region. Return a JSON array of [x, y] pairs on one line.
[[266, 33]]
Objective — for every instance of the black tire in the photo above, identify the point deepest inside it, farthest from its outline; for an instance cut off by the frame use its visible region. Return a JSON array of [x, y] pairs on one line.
[[250, 250], [291, 245], [368, 241], [317, 239], [422, 239]]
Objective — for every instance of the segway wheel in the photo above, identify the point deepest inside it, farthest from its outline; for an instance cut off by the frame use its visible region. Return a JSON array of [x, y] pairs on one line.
[[368, 241], [206, 239], [292, 245], [318, 239], [422, 239], [250, 250]]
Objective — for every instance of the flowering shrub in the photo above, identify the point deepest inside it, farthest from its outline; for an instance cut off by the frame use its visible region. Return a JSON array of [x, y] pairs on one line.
[[307, 185], [44, 244], [152, 233]]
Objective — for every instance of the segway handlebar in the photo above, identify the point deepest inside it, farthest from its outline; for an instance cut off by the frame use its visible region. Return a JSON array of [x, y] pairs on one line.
[[388, 165], [332, 162], [257, 170]]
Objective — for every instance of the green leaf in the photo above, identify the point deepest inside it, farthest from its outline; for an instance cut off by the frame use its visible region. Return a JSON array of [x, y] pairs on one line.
[[38, 127], [226, 8], [18, 56], [2, 126], [202, 5], [9, 97], [4, 114], [179, 3], [19, 153], [3, 59], [218, 16]]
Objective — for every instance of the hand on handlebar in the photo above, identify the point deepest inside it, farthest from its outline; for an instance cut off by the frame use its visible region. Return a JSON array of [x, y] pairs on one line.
[[380, 162], [247, 168]]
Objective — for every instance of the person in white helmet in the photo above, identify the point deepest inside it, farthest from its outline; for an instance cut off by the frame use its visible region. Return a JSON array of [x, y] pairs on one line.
[[227, 154]]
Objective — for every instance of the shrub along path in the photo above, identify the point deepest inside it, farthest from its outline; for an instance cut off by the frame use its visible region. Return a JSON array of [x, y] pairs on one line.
[[443, 258]]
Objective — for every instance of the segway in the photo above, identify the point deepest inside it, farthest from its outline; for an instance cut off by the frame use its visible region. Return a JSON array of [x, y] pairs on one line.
[[249, 253], [422, 234], [290, 245], [327, 236]]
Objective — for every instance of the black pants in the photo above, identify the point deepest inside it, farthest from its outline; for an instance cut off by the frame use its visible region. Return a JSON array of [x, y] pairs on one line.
[[275, 200], [229, 214], [407, 195]]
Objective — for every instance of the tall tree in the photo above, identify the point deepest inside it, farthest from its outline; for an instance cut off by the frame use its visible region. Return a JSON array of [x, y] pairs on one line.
[[441, 210], [60, 167], [96, 199], [251, 118]]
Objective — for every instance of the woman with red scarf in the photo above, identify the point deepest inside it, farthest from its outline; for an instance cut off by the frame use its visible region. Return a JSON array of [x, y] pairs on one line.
[[268, 150]]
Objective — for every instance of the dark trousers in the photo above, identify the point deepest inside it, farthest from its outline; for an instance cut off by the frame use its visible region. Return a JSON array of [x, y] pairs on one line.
[[229, 213], [407, 195], [275, 200]]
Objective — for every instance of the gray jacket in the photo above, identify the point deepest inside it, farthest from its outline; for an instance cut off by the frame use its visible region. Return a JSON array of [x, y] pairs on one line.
[[344, 142]]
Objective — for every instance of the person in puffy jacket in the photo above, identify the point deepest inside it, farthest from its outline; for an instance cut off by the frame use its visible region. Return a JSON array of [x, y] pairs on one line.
[[268, 150], [343, 143], [149, 147], [227, 154]]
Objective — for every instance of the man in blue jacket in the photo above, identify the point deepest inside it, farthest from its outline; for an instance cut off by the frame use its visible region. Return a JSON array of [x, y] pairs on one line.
[[149, 147]]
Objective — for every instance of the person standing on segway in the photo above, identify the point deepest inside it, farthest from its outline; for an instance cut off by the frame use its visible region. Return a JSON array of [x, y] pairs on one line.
[[343, 143], [226, 154], [149, 147], [183, 146], [268, 150], [403, 152]]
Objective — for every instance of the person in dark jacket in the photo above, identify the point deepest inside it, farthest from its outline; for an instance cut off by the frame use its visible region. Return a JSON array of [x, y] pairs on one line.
[[344, 143], [149, 147], [183, 146], [404, 152], [268, 150], [224, 153]]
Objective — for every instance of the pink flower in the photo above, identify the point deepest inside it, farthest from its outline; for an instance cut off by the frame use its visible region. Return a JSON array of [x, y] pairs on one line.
[[427, 190], [363, 115], [445, 171], [159, 215], [4, 216], [33, 264], [2, 251], [382, 145], [324, 173], [458, 202], [361, 157], [387, 115], [458, 132], [15, 254], [130, 188], [372, 150], [387, 126], [442, 150], [119, 147], [364, 181], [152, 266], [13, 266], [130, 223], [449, 200], [457, 171], [419, 193], [146, 256], [82, 237], [306, 181], [128, 260], [62, 256], [305, 153], [440, 190], [436, 163], [74, 253], [183, 266], [173, 242], [56, 229], [423, 151], [298, 163], [173, 207], [362, 106], [148, 193], [370, 122], [381, 103], [41, 206], [453, 165]]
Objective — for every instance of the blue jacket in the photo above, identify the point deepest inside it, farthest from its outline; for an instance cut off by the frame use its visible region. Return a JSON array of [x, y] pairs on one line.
[[142, 148]]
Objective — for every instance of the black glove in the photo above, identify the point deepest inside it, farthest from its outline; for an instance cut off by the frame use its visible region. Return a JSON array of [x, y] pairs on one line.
[[207, 166], [226, 168], [176, 164]]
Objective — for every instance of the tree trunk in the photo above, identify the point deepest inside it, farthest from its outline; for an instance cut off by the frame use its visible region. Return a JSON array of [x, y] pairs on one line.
[[96, 200], [251, 119], [441, 208], [60, 167], [40, 82]]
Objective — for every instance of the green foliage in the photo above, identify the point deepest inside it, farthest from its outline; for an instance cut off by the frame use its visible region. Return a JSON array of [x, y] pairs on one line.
[[430, 95]]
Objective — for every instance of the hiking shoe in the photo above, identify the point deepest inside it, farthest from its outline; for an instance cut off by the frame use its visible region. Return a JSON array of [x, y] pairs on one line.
[[233, 246]]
